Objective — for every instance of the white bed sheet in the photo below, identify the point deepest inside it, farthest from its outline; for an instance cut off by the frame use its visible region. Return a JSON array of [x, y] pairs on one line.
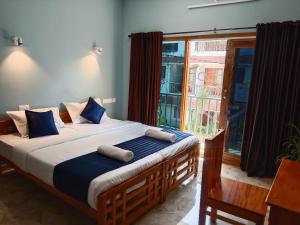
[[39, 156]]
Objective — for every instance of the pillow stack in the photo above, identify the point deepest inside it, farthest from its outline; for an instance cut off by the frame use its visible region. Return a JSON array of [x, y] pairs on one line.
[[40, 124], [87, 112], [21, 122], [93, 111], [47, 121]]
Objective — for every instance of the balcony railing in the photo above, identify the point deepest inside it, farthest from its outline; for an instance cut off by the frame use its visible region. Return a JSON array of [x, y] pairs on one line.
[[201, 116], [169, 110]]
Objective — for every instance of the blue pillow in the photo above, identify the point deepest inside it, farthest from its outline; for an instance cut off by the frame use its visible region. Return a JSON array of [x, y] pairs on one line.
[[40, 124], [93, 111]]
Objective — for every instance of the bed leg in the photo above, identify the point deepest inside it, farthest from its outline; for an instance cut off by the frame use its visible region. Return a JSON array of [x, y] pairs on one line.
[[196, 160], [164, 182], [196, 169], [1, 167], [100, 220], [101, 212], [195, 174], [5, 168], [162, 200], [163, 196]]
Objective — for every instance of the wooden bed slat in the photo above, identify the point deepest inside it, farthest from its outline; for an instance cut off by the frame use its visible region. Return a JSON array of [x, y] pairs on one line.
[[160, 179]]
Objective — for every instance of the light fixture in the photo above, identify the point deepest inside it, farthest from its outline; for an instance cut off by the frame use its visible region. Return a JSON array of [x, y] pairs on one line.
[[16, 41], [218, 3], [96, 49]]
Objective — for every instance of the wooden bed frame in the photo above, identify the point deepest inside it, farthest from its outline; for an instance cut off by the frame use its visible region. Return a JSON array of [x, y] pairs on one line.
[[125, 203]]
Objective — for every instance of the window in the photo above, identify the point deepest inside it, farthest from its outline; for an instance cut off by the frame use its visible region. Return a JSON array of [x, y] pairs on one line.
[[201, 66], [196, 46], [170, 47], [171, 84], [163, 72], [176, 113], [176, 78], [192, 81], [240, 75]]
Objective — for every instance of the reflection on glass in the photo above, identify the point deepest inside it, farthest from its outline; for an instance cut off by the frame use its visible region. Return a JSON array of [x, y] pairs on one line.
[[239, 98], [171, 84]]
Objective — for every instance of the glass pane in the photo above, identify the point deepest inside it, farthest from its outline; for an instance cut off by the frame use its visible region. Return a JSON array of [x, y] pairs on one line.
[[239, 98], [171, 84], [206, 70]]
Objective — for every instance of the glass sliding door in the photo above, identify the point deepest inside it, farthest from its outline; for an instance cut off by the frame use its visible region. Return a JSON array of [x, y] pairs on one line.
[[235, 92], [204, 87], [172, 75], [205, 79]]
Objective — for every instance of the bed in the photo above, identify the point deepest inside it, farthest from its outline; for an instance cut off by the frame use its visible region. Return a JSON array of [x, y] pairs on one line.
[[119, 196]]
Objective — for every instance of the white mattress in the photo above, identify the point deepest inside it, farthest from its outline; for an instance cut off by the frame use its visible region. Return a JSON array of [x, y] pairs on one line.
[[39, 156]]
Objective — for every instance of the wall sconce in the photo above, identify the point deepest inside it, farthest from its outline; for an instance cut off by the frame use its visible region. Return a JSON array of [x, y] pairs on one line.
[[16, 41], [96, 49]]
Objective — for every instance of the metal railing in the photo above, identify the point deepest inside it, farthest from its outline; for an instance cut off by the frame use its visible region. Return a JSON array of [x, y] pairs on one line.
[[202, 113], [214, 90], [169, 110]]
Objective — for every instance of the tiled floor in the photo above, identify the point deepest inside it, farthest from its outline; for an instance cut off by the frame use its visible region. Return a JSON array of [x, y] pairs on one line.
[[24, 203]]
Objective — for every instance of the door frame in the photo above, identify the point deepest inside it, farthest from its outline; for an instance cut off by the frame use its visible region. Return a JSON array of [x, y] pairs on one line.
[[232, 44], [185, 81], [228, 158]]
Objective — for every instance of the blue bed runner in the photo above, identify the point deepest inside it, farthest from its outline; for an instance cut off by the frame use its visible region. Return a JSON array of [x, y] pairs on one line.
[[73, 176]]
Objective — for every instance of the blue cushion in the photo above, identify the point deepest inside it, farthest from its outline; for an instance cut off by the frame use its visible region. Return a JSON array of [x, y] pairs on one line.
[[93, 111], [40, 124]]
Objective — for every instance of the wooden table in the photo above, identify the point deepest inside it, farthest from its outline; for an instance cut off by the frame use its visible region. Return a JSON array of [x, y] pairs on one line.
[[284, 196]]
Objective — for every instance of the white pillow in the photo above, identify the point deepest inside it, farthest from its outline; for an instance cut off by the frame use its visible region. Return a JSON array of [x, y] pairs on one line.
[[58, 121], [20, 119], [75, 109]]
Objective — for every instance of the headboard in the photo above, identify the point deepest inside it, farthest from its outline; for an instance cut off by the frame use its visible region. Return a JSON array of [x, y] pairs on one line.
[[8, 126]]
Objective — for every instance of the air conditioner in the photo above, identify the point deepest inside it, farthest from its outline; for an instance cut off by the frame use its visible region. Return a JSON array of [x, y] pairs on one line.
[[217, 3]]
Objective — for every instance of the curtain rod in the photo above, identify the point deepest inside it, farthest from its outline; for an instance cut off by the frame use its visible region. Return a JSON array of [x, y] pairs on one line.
[[203, 31]]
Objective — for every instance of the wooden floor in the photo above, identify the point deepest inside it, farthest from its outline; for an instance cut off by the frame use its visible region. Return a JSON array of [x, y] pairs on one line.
[[17, 207]]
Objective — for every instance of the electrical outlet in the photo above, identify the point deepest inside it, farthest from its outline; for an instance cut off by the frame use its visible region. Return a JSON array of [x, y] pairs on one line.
[[114, 100], [23, 107]]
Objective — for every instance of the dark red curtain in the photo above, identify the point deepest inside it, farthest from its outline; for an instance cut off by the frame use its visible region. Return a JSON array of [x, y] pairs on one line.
[[274, 97], [145, 73]]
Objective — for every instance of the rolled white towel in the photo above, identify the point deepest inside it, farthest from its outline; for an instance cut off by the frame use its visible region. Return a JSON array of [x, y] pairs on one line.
[[160, 135], [116, 153]]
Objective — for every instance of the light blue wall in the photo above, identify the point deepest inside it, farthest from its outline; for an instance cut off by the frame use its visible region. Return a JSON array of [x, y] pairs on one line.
[[173, 16], [56, 63]]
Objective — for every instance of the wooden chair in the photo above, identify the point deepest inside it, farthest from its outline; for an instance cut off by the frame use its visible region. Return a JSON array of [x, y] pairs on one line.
[[230, 196]]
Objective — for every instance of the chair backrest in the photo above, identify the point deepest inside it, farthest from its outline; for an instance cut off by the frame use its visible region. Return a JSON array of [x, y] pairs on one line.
[[212, 164]]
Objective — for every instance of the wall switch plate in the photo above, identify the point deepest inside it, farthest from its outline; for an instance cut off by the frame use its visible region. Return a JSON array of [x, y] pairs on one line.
[[107, 100], [23, 107]]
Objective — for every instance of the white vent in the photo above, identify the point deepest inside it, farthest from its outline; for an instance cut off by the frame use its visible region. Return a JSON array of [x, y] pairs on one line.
[[218, 3]]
